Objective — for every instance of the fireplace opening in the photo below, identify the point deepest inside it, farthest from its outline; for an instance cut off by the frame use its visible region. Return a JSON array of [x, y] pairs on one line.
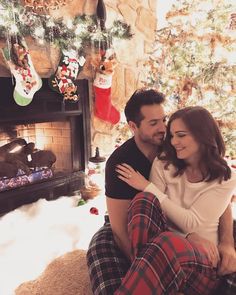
[[48, 136], [51, 124]]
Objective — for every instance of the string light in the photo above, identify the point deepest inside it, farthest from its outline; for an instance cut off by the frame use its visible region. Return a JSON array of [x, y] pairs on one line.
[[13, 29], [81, 30]]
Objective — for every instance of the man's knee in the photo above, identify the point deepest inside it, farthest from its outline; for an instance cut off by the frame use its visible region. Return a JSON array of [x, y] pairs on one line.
[[171, 242], [144, 196]]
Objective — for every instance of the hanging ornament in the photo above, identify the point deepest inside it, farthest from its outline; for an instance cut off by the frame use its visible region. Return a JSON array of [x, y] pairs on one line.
[[28, 18]]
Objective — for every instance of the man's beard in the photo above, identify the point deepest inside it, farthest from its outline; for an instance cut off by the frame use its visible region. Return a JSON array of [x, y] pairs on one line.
[[156, 139]]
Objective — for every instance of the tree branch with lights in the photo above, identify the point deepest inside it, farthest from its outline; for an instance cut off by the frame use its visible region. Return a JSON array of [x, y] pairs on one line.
[[193, 61]]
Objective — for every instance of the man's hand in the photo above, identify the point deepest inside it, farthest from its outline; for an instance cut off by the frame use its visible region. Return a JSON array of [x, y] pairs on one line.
[[226, 243], [227, 263], [210, 248]]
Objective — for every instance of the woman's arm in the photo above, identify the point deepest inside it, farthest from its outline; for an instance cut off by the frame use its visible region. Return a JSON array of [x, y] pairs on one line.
[[186, 219]]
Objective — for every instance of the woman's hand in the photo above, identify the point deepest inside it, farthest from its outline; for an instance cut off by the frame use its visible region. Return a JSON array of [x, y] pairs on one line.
[[131, 177], [210, 247]]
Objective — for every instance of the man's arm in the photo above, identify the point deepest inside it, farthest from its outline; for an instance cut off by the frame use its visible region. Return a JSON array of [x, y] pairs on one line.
[[118, 215], [226, 243]]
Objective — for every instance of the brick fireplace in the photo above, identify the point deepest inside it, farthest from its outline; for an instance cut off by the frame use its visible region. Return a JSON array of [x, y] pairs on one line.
[[54, 136], [52, 124]]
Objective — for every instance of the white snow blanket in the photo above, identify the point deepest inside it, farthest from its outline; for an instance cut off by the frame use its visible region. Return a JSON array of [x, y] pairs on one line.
[[33, 235]]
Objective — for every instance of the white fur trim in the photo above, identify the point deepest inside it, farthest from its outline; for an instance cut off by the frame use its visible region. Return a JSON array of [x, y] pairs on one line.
[[81, 61], [102, 81]]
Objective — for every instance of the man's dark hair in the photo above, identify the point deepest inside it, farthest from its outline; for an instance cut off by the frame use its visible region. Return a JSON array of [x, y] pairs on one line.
[[141, 97]]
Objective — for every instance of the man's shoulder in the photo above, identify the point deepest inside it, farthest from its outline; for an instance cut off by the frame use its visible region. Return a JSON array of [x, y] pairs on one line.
[[126, 149], [114, 187]]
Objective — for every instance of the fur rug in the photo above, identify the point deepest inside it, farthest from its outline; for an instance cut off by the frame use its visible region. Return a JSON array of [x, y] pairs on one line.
[[67, 274], [34, 235]]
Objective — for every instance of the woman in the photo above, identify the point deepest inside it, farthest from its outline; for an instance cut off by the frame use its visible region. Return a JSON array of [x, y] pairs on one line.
[[193, 185]]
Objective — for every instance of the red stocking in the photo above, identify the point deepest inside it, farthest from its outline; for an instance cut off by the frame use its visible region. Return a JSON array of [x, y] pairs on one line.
[[104, 109]]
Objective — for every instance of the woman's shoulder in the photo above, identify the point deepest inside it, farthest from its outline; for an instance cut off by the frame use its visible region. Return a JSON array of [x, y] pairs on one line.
[[162, 162], [233, 175], [163, 165], [229, 183], [158, 162]]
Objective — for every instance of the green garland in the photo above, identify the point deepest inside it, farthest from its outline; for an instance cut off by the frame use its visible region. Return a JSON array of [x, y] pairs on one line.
[[81, 31]]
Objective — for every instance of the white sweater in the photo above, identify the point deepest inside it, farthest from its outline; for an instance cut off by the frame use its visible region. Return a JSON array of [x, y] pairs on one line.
[[190, 207]]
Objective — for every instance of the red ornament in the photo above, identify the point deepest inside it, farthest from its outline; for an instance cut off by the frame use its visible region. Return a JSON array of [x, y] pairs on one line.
[[94, 210]]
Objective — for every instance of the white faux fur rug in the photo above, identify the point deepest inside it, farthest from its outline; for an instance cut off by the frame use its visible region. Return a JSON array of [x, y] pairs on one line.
[[33, 235]]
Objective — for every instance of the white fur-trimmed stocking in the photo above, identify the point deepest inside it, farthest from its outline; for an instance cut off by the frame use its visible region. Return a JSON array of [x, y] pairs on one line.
[[19, 61], [103, 106]]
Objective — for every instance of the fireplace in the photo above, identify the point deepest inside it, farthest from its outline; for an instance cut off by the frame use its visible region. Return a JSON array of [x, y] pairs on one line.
[[52, 124]]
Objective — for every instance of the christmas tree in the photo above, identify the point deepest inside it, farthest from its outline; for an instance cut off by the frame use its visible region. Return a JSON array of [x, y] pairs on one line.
[[193, 61]]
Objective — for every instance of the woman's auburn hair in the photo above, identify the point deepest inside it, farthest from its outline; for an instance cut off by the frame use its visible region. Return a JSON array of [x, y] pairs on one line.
[[206, 132]]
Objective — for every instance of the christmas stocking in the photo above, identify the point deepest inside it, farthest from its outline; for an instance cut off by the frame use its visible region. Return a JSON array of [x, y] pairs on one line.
[[21, 67], [63, 80], [103, 106]]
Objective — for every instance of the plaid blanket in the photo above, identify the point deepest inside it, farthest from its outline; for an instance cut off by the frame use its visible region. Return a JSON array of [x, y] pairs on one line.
[[182, 267]]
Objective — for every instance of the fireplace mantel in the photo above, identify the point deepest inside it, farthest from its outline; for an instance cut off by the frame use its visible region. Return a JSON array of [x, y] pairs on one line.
[[45, 104], [48, 105]]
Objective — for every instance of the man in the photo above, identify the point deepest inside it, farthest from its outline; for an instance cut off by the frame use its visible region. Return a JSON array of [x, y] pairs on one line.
[[109, 251]]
